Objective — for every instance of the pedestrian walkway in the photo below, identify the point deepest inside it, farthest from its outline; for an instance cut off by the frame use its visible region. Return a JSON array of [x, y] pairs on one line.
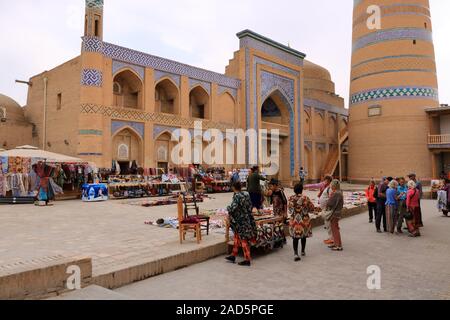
[[411, 268]]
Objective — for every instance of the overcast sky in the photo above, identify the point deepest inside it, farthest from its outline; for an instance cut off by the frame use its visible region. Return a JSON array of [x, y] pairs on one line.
[[38, 35]]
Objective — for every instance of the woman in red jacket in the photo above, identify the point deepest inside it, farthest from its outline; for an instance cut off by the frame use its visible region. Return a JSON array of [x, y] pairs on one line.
[[371, 200], [413, 205]]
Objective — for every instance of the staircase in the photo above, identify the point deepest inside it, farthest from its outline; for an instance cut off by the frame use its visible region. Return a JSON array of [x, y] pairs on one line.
[[334, 155]]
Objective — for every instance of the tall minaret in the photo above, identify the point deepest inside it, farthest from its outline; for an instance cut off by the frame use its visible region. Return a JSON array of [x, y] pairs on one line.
[[393, 80], [93, 25]]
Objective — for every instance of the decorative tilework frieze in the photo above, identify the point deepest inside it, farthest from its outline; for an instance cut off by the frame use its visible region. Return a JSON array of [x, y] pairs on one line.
[[91, 78], [119, 66], [146, 60], [94, 4], [250, 39], [159, 118], [90, 132], [395, 93], [90, 154], [205, 85], [391, 35], [116, 126], [161, 74]]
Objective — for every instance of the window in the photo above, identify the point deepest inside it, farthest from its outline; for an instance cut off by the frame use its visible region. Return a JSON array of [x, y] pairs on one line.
[[199, 112], [374, 111], [97, 26], [59, 101], [414, 42], [2, 114], [123, 152], [426, 25]]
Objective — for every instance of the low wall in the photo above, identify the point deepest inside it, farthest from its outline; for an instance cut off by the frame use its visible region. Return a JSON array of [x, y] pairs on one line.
[[131, 274], [41, 278]]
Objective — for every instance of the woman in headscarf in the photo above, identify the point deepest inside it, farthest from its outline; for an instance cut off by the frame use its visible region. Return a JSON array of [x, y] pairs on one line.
[[300, 228], [242, 223]]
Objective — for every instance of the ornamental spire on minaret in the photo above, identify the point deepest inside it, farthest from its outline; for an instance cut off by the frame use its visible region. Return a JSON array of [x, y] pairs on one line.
[[93, 26]]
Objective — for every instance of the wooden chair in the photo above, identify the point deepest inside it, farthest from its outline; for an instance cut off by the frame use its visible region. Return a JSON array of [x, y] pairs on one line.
[[186, 225], [193, 206]]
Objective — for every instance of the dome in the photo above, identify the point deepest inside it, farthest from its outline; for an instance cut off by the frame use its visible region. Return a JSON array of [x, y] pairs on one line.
[[314, 71], [13, 110]]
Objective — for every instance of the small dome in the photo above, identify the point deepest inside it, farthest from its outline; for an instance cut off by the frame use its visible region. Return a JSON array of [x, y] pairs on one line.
[[13, 110], [314, 71]]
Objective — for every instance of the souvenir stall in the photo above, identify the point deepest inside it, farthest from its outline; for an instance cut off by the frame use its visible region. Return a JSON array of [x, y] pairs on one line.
[[215, 180], [269, 228], [125, 187], [27, 174]]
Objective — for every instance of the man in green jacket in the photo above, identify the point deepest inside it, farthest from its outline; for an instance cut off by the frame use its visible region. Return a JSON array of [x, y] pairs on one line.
[[254, 187]]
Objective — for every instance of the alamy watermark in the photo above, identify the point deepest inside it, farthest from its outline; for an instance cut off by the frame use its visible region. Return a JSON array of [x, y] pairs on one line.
[[374, 20], [374, 279], [74, 280], [233, 147]]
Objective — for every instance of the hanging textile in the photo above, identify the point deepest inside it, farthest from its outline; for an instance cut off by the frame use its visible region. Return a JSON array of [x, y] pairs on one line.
[[26, 165], [4, 165]]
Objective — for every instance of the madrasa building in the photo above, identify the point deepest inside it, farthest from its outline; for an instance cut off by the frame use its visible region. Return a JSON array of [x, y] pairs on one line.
[[112, 103]]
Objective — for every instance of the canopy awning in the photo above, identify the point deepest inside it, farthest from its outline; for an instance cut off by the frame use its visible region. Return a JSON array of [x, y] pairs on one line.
[[33, 152]]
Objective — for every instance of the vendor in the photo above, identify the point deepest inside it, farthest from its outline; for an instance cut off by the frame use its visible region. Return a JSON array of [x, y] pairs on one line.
[[242, 223], [254, 187]]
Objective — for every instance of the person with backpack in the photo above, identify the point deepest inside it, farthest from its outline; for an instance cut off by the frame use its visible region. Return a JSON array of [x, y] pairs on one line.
[[371, 194]]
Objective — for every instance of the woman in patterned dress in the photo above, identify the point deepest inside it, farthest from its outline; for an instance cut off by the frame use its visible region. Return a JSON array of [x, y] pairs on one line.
[[242, 223], [300, 227]]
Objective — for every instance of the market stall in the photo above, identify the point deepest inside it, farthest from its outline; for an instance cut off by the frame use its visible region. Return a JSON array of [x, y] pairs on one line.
[[27, 173], [124, 187]]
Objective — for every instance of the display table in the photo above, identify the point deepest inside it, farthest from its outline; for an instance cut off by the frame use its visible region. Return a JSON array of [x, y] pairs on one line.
[[270, 232], [94, 192]]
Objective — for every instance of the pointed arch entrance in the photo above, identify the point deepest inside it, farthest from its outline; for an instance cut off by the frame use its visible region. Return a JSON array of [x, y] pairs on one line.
[[277, 113], [127, 148]]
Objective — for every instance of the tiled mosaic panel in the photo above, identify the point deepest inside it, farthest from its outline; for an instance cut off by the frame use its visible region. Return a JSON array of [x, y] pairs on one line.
[[205, 85], [160, 74], [395, 93], [248, 42], [94, 4], [91, 78], [116, 126], [392, 34], [115, 52], [270, 82], [119, 66]]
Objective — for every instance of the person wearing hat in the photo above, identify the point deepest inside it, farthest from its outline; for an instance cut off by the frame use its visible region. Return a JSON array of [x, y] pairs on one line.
[[254, 187], [413, 177], [277, 199]]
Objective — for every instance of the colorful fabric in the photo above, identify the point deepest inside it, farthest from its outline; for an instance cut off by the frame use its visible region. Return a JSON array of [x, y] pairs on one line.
[[2, 185], [239, 243], [4, 165], [299, 208], [26, 165], [241, 218], [402, 191], [279, 203], [14, 164]]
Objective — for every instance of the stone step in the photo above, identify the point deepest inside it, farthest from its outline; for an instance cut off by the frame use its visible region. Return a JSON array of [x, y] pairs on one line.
[[92, 293]]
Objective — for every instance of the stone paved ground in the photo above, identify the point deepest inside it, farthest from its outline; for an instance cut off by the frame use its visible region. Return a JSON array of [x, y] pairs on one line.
[[411, 269], [112, 233]]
